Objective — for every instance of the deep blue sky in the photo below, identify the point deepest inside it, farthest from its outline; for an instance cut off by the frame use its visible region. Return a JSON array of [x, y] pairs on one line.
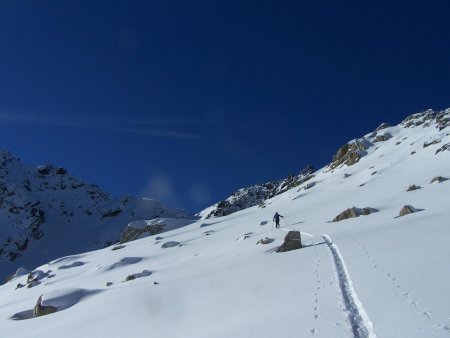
[[190, 100]]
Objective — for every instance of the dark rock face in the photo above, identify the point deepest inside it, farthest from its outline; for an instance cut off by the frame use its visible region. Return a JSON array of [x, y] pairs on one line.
[[352, 213], [42, 310], [413, 187], [292, 241], [443, 148], [427, 144], [257, 194], [406, 210]]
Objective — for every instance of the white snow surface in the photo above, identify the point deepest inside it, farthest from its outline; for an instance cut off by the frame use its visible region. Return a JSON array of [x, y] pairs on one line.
[[378, 275]]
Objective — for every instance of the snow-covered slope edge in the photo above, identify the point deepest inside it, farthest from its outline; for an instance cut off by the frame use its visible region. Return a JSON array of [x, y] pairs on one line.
[[379, 275], [45, 212]]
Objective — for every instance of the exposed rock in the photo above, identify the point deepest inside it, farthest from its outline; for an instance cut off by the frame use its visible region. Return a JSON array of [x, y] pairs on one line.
[[111, 213], [150, 228], [108, 284], [42, 310], [382, 138], [265, 240], [443, 148], [438, 179], [130, 277], [407, 209], [440, 120], [352, 213], [292, 241], [427, 144], [19, 286], [413, 187], [117, 247], [383, 126], [170, 244], [349, 153]]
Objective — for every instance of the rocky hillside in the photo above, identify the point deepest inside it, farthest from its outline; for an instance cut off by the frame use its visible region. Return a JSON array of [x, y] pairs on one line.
[[347, 155], [257, 194], [45, 212]]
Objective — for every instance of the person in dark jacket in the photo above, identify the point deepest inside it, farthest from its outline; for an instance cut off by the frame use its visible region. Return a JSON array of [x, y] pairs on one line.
[[276, 218]]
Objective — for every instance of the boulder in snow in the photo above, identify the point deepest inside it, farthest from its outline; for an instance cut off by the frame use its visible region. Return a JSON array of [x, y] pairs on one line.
[[438, 179], [352, 213], [413, 187], [407, 209], [292, 241], [42, 310]]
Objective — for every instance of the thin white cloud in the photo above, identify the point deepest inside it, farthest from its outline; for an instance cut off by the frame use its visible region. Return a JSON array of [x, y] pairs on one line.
[[146, 128]]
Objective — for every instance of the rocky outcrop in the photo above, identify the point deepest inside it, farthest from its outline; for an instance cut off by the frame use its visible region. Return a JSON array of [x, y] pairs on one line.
[[352, 213], [383, 137], [382, 126], [135, 230], [257, 194], [349, 154], [438, 179], [413, 187], [292, 241], [42, 310], [440, 119], [443, 148], [406, 210]]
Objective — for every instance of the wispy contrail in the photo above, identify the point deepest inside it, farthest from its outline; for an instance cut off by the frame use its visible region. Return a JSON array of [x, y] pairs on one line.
[[132, 128]]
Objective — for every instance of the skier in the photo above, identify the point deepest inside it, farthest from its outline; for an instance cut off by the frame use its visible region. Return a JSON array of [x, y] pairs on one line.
[[276, 218]]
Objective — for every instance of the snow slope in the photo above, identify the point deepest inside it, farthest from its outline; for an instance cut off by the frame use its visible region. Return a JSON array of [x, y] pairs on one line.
[[377, 275]]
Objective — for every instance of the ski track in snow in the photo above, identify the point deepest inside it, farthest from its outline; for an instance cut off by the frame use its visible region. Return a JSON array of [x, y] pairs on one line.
[[361, 325]]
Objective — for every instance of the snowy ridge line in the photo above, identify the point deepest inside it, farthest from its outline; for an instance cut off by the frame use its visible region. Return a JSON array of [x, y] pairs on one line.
[[361, 325]]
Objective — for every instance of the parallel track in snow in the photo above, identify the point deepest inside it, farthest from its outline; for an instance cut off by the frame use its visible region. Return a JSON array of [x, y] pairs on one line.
[[361, 325]]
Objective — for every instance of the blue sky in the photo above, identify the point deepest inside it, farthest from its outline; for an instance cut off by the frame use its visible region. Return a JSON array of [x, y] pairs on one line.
[[188, 101]]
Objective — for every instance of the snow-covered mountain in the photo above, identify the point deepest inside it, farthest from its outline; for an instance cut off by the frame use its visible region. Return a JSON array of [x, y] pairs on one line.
[[375, 231], [45, 212]]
